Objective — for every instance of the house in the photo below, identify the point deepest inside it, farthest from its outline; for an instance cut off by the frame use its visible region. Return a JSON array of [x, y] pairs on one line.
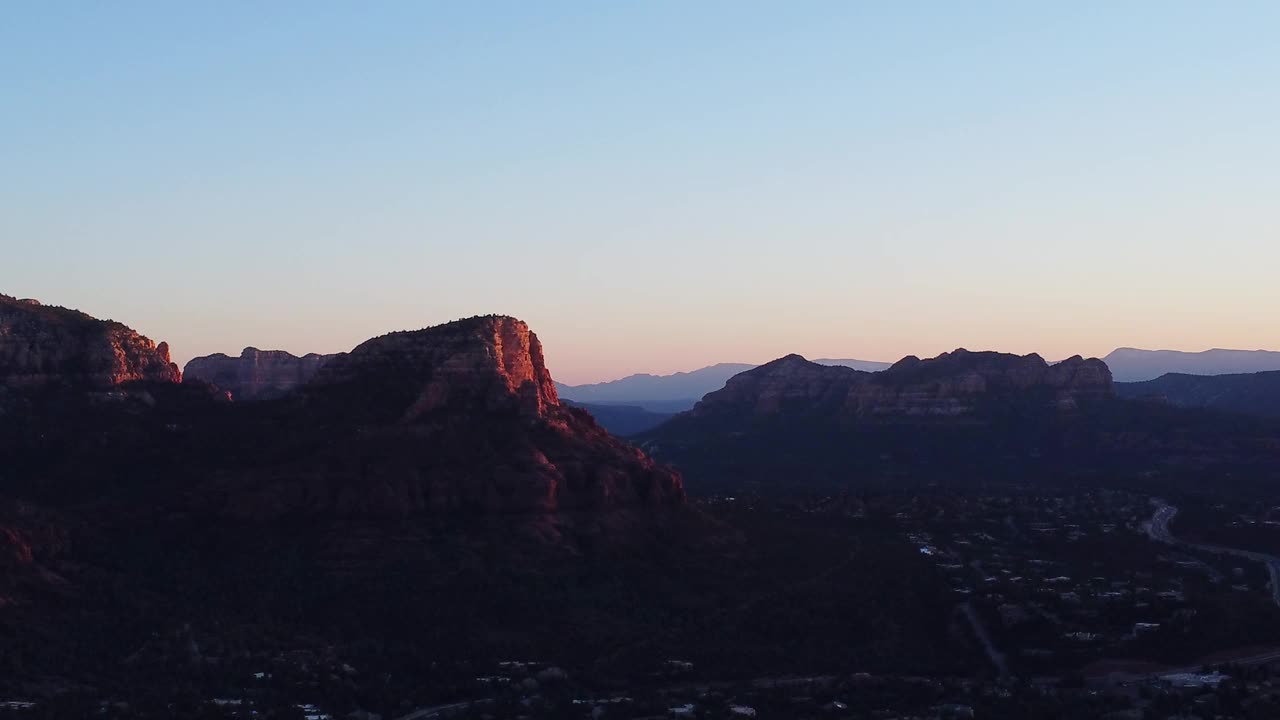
[[678, 667], [311, 712], [1194, 680]]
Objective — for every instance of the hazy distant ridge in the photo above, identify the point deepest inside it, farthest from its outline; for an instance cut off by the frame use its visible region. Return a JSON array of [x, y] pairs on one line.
[[1135, 365], [679, 391]]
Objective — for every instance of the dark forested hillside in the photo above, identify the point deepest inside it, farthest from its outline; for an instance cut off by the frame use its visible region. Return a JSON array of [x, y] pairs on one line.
[[1251, 393], [624, 420], [962, 420]]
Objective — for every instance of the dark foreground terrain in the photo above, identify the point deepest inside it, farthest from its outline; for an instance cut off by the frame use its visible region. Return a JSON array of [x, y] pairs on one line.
[[1059, 604], [420, 528]]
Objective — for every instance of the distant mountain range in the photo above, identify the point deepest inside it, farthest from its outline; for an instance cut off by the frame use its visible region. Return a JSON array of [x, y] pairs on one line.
[[679, 391], [1250, 393], [958, 419], [1134, 365]]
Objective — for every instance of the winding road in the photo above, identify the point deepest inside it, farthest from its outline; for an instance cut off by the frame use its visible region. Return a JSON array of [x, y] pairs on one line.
[[1158, 529]]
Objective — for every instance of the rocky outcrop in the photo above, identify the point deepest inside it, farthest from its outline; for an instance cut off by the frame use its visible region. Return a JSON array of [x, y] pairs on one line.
[[482, 364], [434, 469], [957, 383], [463, 418], [460, 418], [960, 417], [1078, 378], [787, 383], [256, 374], [953, 384], [42, 345]]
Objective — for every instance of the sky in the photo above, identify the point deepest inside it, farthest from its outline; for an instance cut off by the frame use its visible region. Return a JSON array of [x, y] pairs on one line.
[[652, 186]]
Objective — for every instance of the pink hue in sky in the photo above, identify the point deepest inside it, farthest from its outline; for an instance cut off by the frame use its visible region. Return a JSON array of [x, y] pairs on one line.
[[587, 347], [653, 187]]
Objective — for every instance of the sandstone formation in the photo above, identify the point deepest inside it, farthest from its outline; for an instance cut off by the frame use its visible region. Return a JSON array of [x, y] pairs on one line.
[[961, 417], [416, 491], [786, 383], [956, 383], [43, 345], [486, 363], [255, 374], [950, 385], [463, 417]]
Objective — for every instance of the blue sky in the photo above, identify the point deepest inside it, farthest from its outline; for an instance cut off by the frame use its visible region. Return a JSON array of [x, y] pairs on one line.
[[652, 186]]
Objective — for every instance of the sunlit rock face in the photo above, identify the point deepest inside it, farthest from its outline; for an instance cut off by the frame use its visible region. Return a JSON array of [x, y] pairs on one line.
[[489, 363], [459, 418], [43, 345], [256, 374]]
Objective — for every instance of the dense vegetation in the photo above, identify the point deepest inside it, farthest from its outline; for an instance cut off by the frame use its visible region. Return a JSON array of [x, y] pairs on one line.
[[1251, 393], [1110, 442]]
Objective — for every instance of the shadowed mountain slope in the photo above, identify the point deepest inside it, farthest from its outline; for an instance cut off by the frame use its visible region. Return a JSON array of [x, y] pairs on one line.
[[962, 419], [425, 502], [679, 391], [1251, 393]]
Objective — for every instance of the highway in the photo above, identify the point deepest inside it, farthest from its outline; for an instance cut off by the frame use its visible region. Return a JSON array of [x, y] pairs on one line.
[[997, 657], [1158, 529], [438, 711]]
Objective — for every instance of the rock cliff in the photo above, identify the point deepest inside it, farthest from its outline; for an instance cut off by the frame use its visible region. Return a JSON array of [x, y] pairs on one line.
[[486, 363], [42, 345], [462, 417], [960, 417], [433, 469], [256, 374], [953, 384], [959, 382], [788, 383], [458, 419]]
